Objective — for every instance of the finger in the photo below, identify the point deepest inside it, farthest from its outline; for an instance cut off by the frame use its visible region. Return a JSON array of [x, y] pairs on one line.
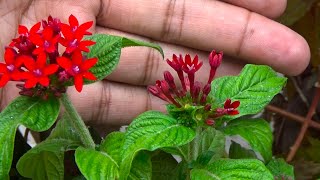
[[143, 66], [210, 25], [110, 100], [269, 8]]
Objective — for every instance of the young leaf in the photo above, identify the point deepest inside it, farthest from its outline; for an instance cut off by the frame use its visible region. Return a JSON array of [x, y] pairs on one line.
[[126, 42], [150, 131], [141, 165], [280, 169], [113, 145], [95, 165], [230, 169], [238, 152], [107, 49], [34, 113], [256, 132], [163, 166], [254, 88], [46, 160]]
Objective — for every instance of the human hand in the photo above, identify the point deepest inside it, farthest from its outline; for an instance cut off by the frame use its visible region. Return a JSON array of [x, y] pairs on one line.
[[180, 27]]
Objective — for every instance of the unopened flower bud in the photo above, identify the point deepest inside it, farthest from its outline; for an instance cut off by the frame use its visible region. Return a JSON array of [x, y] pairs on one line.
[[210, 122]]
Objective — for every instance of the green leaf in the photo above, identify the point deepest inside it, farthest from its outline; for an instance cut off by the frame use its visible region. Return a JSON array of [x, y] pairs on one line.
[[211, 146], [254, 88], [150, 131], [113, 145], [96, 165], [42, 165], [236, 151], [280, 169], [141, 167], [233, 169], [163, 166], [46, 160], [34, 113], [256, 132], [126, 42], [107, 49]]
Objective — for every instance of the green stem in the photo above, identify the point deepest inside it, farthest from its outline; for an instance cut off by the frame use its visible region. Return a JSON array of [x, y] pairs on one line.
[[77, 122]]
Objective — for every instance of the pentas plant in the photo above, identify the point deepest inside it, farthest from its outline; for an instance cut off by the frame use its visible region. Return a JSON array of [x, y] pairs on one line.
[[193, 96], [207, 127]]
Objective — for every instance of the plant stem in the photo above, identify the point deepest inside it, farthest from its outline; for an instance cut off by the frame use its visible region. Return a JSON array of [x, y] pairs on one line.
[[77, 122]]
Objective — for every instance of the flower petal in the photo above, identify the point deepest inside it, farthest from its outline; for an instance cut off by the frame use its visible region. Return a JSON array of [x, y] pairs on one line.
[[50, 69], [22, 29], [34, 29], [47, 33], [64, 62], [30, 83], [41, 60], [78, 82], [66, 31], [89, 75], [87, 64], [9, 56], [4, 79], [3, 68], [77, 58], [73, 21], [235, 104], [44, 81], [28, 62], [227, 103]]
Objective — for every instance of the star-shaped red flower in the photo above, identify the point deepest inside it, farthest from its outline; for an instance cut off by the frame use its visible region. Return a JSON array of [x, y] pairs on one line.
[[38, 71], [10, 70], [73, 35], [78, 68], [46, 41], [230, 108]]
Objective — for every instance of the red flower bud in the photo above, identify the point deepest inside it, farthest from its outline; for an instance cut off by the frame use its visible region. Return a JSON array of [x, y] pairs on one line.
[[210, 122]]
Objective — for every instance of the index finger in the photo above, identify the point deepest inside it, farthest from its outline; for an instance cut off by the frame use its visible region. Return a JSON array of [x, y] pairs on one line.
[[208, 25]]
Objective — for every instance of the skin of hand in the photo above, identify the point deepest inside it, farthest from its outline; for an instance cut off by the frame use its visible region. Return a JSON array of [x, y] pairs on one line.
[[242, 29]]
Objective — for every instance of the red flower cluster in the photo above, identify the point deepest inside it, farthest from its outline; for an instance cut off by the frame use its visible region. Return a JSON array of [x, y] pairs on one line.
[[192, 92], [34, 58]]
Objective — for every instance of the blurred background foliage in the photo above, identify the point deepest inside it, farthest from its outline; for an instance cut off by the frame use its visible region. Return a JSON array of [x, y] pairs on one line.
[[302, 16]]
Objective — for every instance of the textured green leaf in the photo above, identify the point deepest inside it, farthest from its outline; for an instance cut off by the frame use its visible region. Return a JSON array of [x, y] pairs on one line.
[[107, 49], [113, 145], [150, 131], [238, 152], [141, 167], [256, 132], [254, 88], [7, 135], [46, 160], [233, 169], [126, 42], [210, 147], [42, 165], [34, 113], [95, 165], [163, 166], [280, 169]]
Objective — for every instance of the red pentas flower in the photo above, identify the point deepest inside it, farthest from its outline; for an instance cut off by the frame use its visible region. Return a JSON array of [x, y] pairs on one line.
[[78, 68], [10, 70], [31, 58], [38, 71], [46, 41], [73, 34], [193, 93]]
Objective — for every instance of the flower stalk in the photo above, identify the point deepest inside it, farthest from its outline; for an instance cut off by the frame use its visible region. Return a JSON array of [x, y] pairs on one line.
[[77, 122]]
